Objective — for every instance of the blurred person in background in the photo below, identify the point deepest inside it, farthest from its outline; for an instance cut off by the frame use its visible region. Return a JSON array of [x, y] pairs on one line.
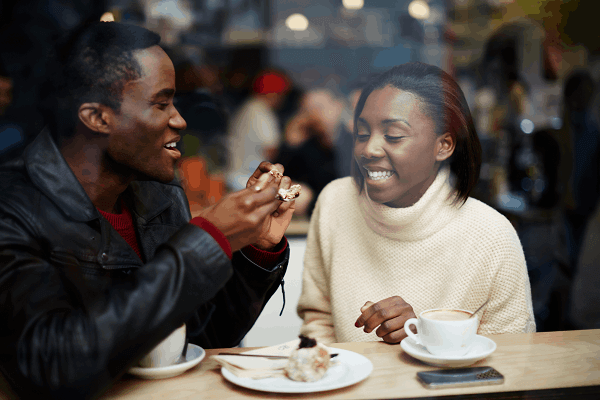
[[99, 259], [253, 133], [584, 306], [580, 173], [524, 159], [309, 146], [580, 159]]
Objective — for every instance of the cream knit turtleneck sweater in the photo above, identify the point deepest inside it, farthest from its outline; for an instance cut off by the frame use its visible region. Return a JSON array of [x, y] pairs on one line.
[[432, 254]]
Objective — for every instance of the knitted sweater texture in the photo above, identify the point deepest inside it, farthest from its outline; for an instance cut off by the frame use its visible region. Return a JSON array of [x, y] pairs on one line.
[[433, 254]]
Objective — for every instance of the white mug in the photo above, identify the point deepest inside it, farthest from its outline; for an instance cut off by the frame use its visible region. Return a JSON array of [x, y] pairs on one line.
[[444, 337], [166, 352]]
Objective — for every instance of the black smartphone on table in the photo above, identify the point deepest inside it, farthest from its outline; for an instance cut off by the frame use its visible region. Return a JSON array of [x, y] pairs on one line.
[[460, 377]]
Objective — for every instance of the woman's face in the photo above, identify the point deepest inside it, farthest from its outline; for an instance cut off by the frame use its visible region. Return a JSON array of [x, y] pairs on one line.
[[396, 148]]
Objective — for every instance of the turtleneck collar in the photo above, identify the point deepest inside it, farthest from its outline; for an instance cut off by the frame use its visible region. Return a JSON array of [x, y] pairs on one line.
[[427, 216]]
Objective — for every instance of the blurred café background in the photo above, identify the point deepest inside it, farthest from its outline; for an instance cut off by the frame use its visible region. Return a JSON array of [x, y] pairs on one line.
[[278, 80]]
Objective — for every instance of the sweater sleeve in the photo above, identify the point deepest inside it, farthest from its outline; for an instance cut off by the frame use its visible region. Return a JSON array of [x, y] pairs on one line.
[[314, 305], [510, 309]]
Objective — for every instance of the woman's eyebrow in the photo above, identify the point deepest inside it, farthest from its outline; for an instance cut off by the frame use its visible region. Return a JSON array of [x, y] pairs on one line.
[[392, 120]]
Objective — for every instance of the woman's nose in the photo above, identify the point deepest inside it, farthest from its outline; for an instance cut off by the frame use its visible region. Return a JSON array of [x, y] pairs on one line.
[[373, 148], [177, 121]]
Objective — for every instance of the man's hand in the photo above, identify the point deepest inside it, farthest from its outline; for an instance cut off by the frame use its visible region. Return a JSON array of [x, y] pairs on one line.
[[276, 223], [389, 315], [244, 216]]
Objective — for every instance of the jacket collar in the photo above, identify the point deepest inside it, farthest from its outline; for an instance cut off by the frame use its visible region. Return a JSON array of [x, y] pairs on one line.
[[50, 173]]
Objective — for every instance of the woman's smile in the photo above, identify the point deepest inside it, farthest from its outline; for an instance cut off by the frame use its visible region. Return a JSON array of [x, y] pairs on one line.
[[379, 175]]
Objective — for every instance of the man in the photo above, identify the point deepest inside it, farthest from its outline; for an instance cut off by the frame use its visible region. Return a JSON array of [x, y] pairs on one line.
[[254, 133], [98, 262]]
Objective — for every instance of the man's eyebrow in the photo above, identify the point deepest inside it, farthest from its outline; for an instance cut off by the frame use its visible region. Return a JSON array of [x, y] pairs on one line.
[[164, 93], [391, 121]]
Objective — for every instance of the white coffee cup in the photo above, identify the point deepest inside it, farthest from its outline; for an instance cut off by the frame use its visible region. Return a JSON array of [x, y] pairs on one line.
[[166, 352], [443, 331]]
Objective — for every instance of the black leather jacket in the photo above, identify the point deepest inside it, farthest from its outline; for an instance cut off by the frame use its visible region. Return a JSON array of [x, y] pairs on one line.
[[77, 305]]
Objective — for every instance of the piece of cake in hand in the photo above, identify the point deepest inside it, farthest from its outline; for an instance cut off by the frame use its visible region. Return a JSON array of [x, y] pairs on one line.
[[309, 362], [276, 173], [289, 194]]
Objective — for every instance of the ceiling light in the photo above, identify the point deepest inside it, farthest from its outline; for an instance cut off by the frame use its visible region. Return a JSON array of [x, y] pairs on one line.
[[353, 4], [418, 9], [297, 22], [107, 17], [527, 126]]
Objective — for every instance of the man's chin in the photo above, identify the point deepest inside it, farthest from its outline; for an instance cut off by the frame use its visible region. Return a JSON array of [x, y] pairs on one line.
[[162, 178]]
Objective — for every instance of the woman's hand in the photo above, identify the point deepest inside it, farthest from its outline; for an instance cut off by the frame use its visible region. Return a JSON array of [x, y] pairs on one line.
[[389, 315]]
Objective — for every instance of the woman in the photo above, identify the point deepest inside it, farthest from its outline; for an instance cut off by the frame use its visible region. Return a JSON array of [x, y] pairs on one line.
[[402, 234]]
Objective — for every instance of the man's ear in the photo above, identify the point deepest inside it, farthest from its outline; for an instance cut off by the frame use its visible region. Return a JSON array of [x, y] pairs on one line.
[[95, 117], [445, 145]]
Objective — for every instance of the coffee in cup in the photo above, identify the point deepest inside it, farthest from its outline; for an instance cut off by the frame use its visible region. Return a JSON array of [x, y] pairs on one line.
[[166, 352], [444, 332], [447, 315]]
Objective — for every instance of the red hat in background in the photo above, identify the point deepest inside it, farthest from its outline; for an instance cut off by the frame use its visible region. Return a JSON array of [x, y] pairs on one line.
[[270, 82]]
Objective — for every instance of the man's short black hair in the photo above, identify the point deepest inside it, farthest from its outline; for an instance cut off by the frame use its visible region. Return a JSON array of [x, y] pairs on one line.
[[91, 64]]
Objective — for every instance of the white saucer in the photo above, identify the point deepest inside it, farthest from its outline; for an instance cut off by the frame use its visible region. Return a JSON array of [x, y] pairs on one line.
[[481, 348], [194, 355]]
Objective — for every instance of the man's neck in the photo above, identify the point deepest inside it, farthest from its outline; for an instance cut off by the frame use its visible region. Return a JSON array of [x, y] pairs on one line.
[[85, 154]]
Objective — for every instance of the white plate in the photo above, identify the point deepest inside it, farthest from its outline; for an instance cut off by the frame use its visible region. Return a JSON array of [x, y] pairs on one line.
[[482, 348], [347, 369], [194, 355]]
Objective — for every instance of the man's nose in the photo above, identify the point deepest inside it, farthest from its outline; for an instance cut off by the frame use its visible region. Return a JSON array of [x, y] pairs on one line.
[[177, 121]]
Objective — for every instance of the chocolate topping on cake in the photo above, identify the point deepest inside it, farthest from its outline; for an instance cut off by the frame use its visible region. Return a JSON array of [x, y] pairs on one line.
[[306, 342]]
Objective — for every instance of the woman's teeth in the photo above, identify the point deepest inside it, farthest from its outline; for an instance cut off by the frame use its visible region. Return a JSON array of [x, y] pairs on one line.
[[170, 145], [379, 175]]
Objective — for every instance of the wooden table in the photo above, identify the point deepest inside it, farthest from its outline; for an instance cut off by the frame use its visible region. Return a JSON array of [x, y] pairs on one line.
[[535, 366]]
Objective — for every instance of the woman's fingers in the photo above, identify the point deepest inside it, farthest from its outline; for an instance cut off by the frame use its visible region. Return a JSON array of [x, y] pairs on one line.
[[367, 305], [390, 326], [384, 312], [395, 336]]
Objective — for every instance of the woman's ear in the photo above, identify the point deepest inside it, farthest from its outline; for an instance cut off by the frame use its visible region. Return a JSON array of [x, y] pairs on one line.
[[445, 145], [95, 117]]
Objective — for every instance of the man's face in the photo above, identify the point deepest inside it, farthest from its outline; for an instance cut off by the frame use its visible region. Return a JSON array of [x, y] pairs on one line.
[[147, 125]]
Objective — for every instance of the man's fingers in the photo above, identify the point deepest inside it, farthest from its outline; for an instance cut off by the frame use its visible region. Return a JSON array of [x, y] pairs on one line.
[[265, 167], [262, 181], [262, 169], [264, 210], [285, 206], [259, 198]]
